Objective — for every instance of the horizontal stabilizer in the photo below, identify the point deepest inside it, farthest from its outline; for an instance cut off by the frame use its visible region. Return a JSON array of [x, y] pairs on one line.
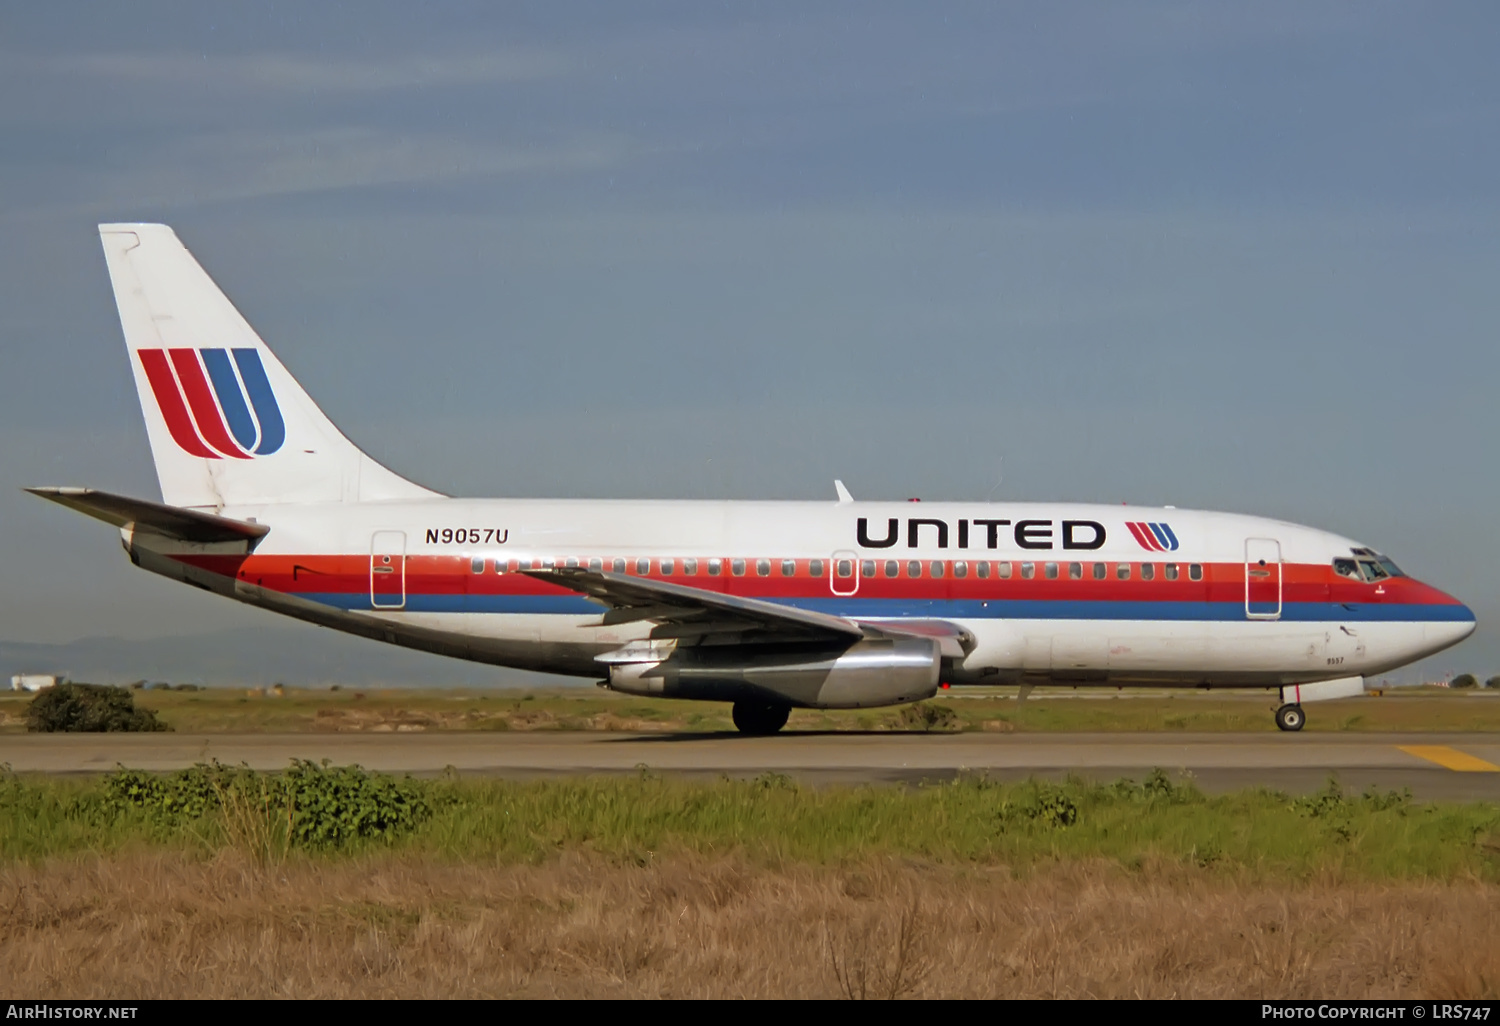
[[170, 521]]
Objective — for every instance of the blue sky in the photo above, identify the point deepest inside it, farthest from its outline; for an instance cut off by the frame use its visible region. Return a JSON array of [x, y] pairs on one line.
[[1230, 256]]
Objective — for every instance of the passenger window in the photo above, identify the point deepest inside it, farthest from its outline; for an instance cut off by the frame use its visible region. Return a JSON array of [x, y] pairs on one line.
[[1171, 571], [914, 568], [737, 567], [1003, 570], [1195, 571], [1101, 571], [571, 564], [1051, 570], [960, 568], [1028, 571], [477, 564], [892, 568], [618, 566], [789, 568], [643, 567], [715, 567], [690, 567], [1122, 571], [1075, 571], [844, 567], [984, 570], [762, 568], [1148, 571], [596, 565], [815, 568], [524, 564], [500, 566], [666, 568], [937, 568], [867, 568]]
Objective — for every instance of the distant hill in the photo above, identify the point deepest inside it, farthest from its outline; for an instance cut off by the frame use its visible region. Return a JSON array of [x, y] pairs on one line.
[[295, 655]]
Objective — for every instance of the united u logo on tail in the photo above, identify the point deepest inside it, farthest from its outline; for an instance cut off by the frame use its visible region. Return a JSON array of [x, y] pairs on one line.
[[216, 402], [1153, 537]]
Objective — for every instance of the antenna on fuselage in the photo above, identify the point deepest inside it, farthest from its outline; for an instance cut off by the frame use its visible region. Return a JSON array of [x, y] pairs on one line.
[[999, 476], [844, 497]]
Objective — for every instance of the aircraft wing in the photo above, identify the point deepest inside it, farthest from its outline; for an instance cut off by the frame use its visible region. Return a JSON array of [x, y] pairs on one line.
[[684, 612], [188, 525]]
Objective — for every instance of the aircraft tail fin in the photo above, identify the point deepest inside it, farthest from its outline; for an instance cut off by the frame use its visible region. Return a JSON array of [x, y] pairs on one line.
[[228, 424]]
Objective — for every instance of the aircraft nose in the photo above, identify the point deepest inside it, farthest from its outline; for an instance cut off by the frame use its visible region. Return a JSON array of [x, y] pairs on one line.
[[1457, 624], [1449, 632]]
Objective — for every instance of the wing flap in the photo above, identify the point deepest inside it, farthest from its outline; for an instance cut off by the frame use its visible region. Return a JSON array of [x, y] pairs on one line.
[[682, 611]]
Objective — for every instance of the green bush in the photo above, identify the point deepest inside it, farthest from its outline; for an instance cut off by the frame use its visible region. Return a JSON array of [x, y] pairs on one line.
[[88, 708], [1464, 680], [927, 716], [1493, 682], [323, 807]]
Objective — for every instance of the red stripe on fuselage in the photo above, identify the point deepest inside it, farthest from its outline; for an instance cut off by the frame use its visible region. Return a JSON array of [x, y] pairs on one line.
[[201, 398], [169, 401], [1222, 582]]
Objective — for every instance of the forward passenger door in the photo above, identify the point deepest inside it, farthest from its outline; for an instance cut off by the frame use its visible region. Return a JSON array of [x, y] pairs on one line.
[[1262, 579]]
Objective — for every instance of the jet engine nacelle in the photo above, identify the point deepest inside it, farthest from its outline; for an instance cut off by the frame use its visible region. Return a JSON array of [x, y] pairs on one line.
[[868, 673]]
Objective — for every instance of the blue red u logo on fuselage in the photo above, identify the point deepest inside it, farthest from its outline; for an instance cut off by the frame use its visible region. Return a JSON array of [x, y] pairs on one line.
[[1153, 537], [216, 402]]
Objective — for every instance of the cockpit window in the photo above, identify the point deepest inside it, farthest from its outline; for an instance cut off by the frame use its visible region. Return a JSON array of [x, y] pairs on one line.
[[1368, 565], [1372, 567]]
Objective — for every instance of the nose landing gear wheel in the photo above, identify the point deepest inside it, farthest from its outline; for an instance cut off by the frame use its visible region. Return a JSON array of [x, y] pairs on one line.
[[1290, 717], [760, 718]]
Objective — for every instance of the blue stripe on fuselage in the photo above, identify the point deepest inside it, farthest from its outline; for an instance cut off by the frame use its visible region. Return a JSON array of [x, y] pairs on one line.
[[948, 609]]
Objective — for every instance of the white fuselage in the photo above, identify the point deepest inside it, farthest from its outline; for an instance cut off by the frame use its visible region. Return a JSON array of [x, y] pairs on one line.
[[1049, 591]]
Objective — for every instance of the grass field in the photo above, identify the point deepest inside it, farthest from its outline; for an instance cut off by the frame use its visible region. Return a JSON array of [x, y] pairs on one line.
[[215, 710], [334, 883], [332, 812], [330, 882]]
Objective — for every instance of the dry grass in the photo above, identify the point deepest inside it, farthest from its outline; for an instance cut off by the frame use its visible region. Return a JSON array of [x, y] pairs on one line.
[[165, 925]]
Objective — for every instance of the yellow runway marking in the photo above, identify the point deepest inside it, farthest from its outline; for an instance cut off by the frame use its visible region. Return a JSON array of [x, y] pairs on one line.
[[1451, 758]]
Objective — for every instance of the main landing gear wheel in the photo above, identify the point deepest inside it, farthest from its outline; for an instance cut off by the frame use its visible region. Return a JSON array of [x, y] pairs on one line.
[[759, 718], [1290, 717]]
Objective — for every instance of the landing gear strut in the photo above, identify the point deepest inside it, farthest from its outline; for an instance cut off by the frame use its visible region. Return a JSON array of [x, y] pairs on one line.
[[759, 718], [1290, 717]]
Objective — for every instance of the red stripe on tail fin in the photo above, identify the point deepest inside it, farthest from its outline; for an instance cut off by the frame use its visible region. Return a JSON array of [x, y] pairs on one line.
[[205, 410], [169, 399]]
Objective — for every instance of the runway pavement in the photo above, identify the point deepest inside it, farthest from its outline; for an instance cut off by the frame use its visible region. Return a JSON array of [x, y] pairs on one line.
[[1432, 765]]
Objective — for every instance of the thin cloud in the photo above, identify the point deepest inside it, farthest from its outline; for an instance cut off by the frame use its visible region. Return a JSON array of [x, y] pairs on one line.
[[291, 72], [245, 164]]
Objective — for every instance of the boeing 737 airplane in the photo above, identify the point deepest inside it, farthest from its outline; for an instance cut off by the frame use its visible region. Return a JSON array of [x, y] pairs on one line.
[[766, 605]]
